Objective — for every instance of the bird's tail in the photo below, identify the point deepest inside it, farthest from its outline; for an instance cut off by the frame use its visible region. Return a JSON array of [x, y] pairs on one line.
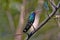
[[27, 27]]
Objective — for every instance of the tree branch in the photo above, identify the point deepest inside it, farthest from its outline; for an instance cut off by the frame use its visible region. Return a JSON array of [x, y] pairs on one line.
[[45, 21], [10, 19], [19, 31], [53, 4]]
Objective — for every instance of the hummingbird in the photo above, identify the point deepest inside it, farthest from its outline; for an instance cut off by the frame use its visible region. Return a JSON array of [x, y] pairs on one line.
[[30, 21]]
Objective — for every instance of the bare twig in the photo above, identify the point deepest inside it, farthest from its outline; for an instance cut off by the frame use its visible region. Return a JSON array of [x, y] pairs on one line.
[[9, 16], [46, 20], [53, 4], [10, 19]]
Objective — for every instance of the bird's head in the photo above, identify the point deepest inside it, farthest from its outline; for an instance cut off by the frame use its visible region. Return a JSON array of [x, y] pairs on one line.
[[37, 11]]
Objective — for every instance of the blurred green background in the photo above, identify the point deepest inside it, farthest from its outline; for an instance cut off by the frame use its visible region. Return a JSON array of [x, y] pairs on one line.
[[50, 31]]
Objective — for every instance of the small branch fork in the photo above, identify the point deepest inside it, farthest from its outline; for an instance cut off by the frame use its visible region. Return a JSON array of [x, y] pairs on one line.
[[47, 19]]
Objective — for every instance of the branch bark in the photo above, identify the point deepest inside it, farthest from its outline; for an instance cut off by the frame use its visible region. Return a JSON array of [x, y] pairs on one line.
[[45, 21], [10, 19], [19, 31], [20, 25]]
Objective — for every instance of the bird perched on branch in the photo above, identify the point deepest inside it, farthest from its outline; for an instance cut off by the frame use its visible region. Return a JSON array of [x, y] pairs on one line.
[[30, 21]]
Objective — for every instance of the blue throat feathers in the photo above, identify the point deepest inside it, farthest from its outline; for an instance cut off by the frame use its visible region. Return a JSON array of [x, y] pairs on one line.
[[32, 16]]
